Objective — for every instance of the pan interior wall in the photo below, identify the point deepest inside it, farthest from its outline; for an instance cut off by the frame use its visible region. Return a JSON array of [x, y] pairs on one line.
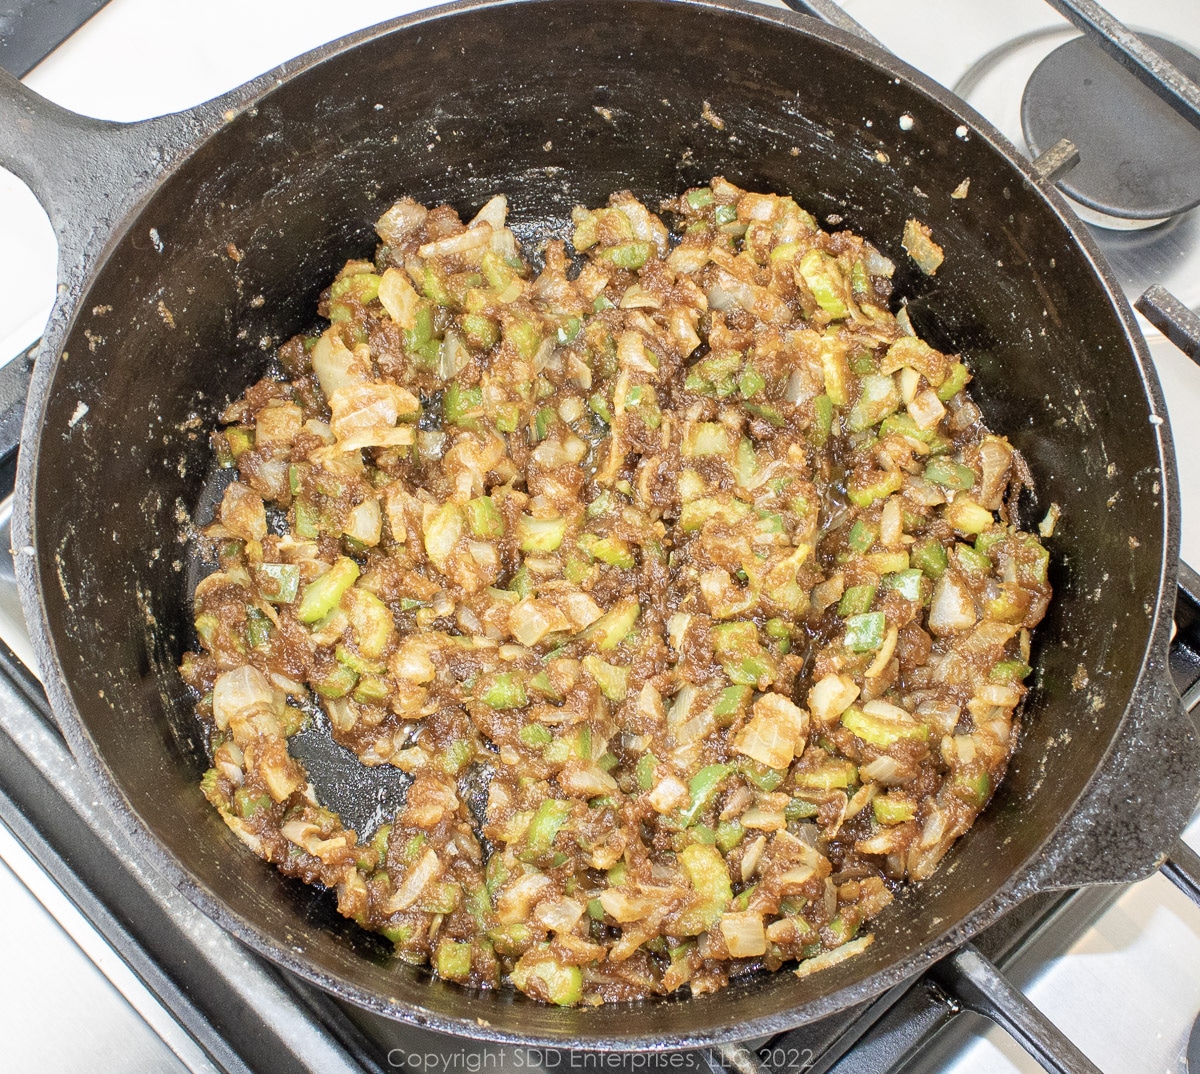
[[555, 106]]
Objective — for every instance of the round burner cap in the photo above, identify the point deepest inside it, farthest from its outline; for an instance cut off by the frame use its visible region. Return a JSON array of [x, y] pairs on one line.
[[1139, 159]]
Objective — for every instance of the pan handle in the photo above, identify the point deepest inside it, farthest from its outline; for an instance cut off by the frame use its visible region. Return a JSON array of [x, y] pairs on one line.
[[1129, 820], [87, 173]]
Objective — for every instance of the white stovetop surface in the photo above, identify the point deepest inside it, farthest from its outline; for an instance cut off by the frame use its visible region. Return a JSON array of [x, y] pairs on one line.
[[1130, 987]]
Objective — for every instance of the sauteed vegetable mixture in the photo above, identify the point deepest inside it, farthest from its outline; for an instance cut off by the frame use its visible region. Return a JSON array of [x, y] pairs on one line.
[[679, 576]]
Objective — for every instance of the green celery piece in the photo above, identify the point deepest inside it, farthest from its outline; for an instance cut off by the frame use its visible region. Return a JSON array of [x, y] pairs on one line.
[[878, 397], [703, 787], [863, 361], [950, 474], [522, 583], [833, 774], [956, 379], [461, 406], [732, 701], [483, 517], [702, 833], [729, 834], [568, 331], [240, 440], [563, 984], [258, 628], [1010, 671], [644, 771], [708, 438], [799, 809], [498, 272], [724, 214], [863, 495], [338, 683], [540, 534], [767, 413], [889, 810], [971, 560], [323, 594], [708, 873], [611, 550], [612, 679], [371, 622], [598, 405], [764, 778], [700, 198], [283, 582], [747, 462], [550, 816], [421, 332], [308, 518], [750, 383], [525, 335], [907, 583], [929, 555], [457, 754], [507, 691], [966, 516], [696, 512], [822, 424], [372, 690], [903, 425], [864, 633], [479, 331], [861, 536], [823, 275], [613, 626], [973, 789], [879, 731], [856, 600], [535, 735], [628, 255]]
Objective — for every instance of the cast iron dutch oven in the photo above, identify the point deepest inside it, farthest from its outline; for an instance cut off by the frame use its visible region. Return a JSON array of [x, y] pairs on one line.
[[190, 244]]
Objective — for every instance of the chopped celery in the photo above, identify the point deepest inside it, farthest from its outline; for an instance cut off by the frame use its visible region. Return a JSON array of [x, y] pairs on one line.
[[888, 562], [861, 536], [371, 622], [613, 626], [550, 816], [968, 559], [907, 583], [479, 331], [307, 520], [929, 556], [798, 809], [611, 550], [956, 379], [864, 633], [834, 774], [732, 702], [764, 778], [767, 413], [708, 873], [878, 487], [613, 680], [483, 517], [822, 424], [1010, 671], [696, 512], [644, 771], [323, 594], [883, 730], [338, 683], [525, 335], [890, 810], [535, 735], [741, 654], [279, 582], [700, 198], [707, 438], [703, 788], [878, 397], [453, 960], [729, 834], [560, 984], [972, 789], [747, 463], [966, 516], [856, 600], [950, 474], [750, 383], [540, 534], [629, 255], [825, 280], [506, 691], [462, 406], [258, 628], [724, 214]]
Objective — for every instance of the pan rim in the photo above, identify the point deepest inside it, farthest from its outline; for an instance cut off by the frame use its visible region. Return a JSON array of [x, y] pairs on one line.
[[147, 842]]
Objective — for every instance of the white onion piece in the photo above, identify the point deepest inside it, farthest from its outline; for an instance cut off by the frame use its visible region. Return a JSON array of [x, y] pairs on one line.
[[951, 610]]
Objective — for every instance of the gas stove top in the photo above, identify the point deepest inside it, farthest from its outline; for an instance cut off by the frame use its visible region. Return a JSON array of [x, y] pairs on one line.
[[157, 987]]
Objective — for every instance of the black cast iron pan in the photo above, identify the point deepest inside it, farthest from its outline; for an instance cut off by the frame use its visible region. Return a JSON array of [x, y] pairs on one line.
[[191, 243]]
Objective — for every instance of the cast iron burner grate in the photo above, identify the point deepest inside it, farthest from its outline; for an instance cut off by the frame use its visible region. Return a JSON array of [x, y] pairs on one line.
[[1138, 157]]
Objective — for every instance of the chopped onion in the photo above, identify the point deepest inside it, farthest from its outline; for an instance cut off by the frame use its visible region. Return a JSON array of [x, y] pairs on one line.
[[744, 934], [669, 794], [413, 884], [951, 610]]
